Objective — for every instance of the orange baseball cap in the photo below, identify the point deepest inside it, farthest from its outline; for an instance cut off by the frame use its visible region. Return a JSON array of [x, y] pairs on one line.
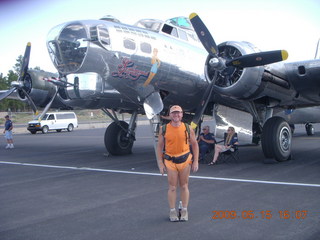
[[175, 108]]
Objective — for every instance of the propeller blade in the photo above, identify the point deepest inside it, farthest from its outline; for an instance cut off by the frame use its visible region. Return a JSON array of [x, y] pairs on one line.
[[25, 62], [7, 93], [203, 104], [30, 102], [45, 110], [204, 34], [258, 59]]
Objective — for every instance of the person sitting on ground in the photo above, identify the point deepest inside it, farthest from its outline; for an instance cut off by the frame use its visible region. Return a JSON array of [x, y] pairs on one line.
[[230, 141], [205, 141]]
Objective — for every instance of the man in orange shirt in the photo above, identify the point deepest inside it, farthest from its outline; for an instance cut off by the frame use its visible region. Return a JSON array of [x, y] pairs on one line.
[[177, 160]]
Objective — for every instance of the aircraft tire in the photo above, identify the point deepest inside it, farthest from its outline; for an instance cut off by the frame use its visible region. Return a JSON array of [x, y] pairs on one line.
[[309, 129], [276, 139], [116, 141]]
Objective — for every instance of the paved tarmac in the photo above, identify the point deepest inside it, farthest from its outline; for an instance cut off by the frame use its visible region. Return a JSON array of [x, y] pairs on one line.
[[63, 186]]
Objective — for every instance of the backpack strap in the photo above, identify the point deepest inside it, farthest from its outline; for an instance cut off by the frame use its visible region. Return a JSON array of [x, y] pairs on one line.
[[187, 131], [164, 128]]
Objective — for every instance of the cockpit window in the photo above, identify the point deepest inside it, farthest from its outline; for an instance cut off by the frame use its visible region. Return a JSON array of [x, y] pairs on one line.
[[193, 36], [182, 22], [182, 34], [170, 30], [151, 24]]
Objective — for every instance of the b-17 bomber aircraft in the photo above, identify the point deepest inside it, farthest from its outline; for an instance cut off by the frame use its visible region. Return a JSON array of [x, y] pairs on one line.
[[147, 67]]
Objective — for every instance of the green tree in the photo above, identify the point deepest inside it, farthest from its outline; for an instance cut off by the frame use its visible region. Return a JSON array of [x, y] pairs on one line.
[[17, 66], [5, 84]]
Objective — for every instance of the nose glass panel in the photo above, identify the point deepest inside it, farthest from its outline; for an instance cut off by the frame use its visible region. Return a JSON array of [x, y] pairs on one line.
[[67, 46]]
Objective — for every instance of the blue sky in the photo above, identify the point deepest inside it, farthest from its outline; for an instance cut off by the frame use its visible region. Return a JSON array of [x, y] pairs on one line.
[[293, 25]]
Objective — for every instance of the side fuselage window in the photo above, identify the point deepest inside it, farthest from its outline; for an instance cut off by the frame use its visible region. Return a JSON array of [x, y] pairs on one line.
[[129, 44], [145, 47]]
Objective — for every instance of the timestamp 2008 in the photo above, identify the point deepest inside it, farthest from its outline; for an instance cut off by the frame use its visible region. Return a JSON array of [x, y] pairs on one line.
[[264, 214]]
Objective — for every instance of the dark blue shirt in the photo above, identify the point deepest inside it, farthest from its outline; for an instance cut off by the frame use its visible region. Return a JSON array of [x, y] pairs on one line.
[[8, 124], [209, 136], [233, 140]]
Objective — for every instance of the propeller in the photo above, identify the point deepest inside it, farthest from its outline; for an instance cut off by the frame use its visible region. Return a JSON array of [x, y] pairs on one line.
[[249, 60], [19, 85], [219, 63]]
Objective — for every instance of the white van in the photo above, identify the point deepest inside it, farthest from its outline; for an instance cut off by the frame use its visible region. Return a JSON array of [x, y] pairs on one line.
[[54, 121]]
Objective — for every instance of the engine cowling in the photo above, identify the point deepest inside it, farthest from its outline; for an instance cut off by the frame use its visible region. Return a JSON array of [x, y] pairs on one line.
[[240, 83], [39, 90], [267, 82], [235, 82]]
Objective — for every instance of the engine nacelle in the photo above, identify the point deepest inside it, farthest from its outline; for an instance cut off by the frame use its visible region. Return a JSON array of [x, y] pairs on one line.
[[262, 82], [39, 90], [235, 82]]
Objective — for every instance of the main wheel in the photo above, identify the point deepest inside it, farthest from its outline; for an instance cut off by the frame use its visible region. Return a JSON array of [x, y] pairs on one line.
[[309, 129], [116, 140], [276, 139]]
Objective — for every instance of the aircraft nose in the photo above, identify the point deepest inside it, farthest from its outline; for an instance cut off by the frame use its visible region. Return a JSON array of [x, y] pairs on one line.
[[67, 45]]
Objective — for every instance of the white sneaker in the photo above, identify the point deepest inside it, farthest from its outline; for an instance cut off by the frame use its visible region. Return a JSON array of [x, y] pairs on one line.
[[11, 146], [173, 216], [8, 146], [184, 215]]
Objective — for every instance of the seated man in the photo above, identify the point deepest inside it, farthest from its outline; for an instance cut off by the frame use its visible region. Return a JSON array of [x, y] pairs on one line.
[[229, 142], [205, 141]]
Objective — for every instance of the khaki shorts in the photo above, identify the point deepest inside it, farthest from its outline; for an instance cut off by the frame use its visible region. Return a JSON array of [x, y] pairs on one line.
[[178, 166]]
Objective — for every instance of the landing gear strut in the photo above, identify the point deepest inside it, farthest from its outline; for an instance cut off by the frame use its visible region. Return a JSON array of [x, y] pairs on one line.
[[276, 139], [119, 135]]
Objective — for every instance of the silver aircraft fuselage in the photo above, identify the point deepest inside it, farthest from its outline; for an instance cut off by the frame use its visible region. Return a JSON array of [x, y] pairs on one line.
[[106, 58]]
